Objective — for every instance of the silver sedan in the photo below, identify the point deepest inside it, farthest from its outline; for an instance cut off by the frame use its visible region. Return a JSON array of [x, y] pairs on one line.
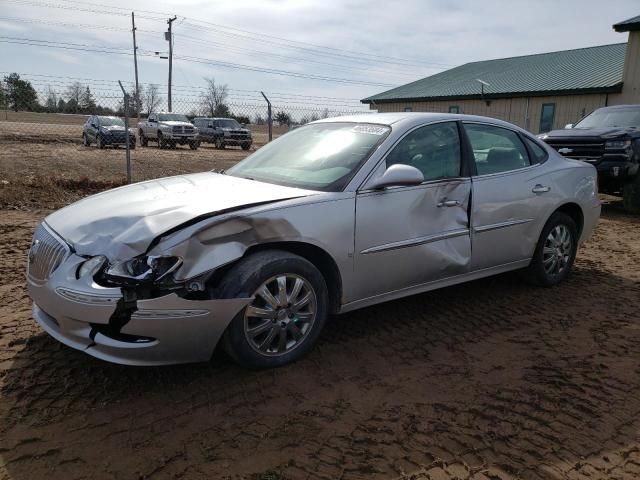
[[337, 215]]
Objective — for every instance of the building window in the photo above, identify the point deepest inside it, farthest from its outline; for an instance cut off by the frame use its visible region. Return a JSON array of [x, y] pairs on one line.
[[547, 116], [454, 109], [408, 109]]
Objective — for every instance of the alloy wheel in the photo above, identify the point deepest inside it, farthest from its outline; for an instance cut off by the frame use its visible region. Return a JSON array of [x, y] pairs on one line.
[[557, 250], [281, 314]]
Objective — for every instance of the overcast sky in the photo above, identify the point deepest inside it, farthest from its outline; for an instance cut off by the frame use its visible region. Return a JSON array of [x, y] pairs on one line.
[[370, 44]]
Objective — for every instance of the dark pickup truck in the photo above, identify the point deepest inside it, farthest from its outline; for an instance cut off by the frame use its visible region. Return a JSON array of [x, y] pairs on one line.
[[609, 139]]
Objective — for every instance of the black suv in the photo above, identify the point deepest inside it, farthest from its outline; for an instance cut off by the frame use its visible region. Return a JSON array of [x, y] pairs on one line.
[[106, 131], [609, 139], [222, 132]]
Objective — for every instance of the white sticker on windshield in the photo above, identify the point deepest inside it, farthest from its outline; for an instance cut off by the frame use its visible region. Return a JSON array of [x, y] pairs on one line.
[[370, 129]]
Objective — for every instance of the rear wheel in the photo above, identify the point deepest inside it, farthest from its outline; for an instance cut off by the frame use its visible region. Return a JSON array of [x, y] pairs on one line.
[[285, 318], [555, 253]]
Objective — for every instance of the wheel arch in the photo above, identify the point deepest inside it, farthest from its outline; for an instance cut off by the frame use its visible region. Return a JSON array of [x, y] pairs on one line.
[[574, 211], [319, 257]]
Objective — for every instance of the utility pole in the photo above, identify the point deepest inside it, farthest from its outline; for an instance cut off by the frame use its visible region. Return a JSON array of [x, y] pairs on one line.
[[269, 117], [135, 63], [170, 38]]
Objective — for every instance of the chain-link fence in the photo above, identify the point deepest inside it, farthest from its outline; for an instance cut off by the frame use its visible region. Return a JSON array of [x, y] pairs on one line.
[[60, 134]]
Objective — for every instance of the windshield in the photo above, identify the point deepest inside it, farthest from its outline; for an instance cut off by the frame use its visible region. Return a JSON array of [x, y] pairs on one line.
[[322, 156], [110, 121], [227, 123], [172, 117], [604, 117]]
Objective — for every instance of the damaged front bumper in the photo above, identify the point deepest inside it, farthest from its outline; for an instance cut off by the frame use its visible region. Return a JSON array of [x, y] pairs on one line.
[[157, 331]]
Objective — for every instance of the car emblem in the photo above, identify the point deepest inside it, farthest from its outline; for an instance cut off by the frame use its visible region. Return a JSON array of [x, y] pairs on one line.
[[565, 150], [33, 250]]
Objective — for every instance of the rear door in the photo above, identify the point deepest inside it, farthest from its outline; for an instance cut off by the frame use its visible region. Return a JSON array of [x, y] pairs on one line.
[[511, 195], [408, 236]]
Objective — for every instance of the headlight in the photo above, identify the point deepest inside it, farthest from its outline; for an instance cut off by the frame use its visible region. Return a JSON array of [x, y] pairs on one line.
[[617, 144], [147, 268], [91, 266], [542, 136]]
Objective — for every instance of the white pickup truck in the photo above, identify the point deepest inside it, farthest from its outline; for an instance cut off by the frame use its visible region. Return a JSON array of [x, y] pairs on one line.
[[168, 129]]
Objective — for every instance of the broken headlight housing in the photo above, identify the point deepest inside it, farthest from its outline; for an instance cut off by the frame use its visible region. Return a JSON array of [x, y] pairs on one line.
[[147, 268]]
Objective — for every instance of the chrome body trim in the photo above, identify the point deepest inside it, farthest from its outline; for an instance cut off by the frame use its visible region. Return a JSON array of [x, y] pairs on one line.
[[496, 226], [416, 241]]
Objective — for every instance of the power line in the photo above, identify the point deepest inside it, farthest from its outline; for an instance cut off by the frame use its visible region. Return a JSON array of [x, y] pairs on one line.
[[206, 61], [315, 48]]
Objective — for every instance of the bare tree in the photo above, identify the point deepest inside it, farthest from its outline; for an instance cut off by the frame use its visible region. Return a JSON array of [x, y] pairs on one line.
[[51, 102], [151, 98], [74, 97], [214, 98]]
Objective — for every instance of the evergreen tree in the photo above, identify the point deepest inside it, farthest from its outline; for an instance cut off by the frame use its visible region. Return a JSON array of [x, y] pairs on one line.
[[20, 93]]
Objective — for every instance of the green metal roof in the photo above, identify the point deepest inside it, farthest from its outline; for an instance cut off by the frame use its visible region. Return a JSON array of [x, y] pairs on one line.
[[628, 25], [593, 69]]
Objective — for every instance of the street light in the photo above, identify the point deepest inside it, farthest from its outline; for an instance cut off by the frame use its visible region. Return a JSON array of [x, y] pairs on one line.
[[482, 84]]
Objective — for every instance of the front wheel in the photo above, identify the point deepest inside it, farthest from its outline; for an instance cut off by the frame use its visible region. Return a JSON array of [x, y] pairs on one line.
[[288, 311], [631, 195], [555, 253], [99, 142], [246, 146], [85, 140], [219, 143], [143, 140], [193, 145]]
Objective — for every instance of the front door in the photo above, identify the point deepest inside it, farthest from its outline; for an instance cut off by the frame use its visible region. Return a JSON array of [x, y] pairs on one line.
[[408, 236]]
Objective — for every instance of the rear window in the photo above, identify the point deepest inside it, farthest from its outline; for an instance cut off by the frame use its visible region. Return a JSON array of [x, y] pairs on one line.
[[538, 153]]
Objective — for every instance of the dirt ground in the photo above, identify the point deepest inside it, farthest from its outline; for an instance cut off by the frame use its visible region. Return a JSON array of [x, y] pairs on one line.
[[489, 380]]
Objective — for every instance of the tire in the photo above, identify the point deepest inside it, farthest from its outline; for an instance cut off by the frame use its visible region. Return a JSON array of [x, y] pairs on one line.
[[99, 142], [194, 145], [299, 326], [85, 140], [553, 257], [246, 146], [132, 146], [219, 143], [143, 140], [631, 195], [162, 143]]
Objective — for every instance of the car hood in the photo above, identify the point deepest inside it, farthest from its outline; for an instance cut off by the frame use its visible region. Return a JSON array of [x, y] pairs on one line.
[[604, 132], [113, 128], [175, 123], [121, 223]]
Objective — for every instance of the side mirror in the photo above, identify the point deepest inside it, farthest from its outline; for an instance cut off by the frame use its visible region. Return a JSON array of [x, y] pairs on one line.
[[210, 125], [244, 125], [398, 175], [152, 120], [569, 125], [94, 125]]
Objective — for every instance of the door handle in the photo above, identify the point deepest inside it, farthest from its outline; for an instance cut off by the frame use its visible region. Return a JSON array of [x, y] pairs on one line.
[[447, 203], [540, 189]]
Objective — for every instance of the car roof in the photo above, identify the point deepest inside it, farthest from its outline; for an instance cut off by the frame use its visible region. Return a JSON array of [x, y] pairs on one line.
[[214, 118], [408, 119]]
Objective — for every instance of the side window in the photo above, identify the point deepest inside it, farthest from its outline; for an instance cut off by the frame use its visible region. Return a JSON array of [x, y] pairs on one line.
[[547, 116], [496, 149], [432, 149], [539, 154]]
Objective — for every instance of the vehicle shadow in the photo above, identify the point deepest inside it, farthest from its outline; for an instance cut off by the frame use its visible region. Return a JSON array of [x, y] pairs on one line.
[[492, 377]]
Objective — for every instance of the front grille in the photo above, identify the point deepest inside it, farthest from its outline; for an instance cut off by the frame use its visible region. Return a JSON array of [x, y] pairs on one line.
[[181, 129], [45, 255], [591, 151]]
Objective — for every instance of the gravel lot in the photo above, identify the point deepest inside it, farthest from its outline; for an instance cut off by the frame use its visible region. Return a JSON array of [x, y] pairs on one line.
[[488, 380], [491, 379]]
